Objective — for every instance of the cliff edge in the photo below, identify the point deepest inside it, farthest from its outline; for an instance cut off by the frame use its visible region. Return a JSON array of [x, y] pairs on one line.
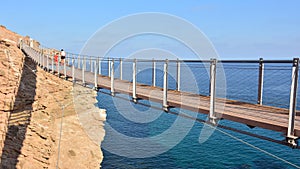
[[39, 127]]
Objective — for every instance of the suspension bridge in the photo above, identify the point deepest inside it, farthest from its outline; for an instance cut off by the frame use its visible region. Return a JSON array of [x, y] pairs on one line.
[[285, 120]]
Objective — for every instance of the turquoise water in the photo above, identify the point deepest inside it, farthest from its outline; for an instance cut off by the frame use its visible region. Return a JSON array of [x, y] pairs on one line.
[[223, 149]]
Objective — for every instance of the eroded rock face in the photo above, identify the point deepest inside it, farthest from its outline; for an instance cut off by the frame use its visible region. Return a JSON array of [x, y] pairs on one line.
[[9, 35], [32, 105], [11, 63]]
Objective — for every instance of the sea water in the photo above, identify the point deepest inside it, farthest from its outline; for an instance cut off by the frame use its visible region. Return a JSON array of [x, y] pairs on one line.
[[223, 148]]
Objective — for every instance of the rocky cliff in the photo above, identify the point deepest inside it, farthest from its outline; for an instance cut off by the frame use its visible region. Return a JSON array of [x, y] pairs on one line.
[[39, 127]]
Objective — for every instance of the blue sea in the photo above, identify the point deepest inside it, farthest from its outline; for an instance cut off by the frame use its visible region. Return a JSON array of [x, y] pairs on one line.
[[144, 129]]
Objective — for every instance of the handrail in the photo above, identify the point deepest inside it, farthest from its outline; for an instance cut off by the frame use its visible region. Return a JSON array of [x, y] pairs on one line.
[[110, 58]]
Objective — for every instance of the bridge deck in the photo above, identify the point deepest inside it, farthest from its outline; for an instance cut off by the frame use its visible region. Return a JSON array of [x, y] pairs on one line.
[[267, 117]]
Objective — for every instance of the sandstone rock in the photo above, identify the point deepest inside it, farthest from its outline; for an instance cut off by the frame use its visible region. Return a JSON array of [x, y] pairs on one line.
[[33, 101], [2, 73]]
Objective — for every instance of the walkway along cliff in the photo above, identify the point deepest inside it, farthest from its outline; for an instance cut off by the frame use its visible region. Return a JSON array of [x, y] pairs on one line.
[[85, 69]]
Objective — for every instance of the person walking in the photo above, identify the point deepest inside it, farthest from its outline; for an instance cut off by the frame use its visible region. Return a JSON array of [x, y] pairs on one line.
[[62, 55], [56, 58]]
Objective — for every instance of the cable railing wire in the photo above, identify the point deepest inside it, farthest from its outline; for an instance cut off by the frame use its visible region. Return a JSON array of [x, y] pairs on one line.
[[241, 76]]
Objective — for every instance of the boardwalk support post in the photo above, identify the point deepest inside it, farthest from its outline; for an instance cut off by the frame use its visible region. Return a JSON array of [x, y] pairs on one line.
[[91, 66], [73, 70], [83, 69], [112, 78], [67, 59], [35, 55], [109, 68], [260, 81], [70, 60], [96, 74], [52, 62], [178, 76], [21, 43], [43, 59], [291, 138], [58, 68], [39, 58], [212, 114], [47, 62], [121, 69], [134, 98], [65, 69], [85, 63], [78, 62], [153, 72], [165, 87], [99, 66]]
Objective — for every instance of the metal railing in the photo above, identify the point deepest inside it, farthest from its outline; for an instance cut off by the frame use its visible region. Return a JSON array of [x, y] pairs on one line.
[[270, 82]]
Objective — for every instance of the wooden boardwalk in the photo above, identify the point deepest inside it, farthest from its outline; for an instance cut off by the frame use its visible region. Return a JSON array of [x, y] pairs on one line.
[[254, 115]]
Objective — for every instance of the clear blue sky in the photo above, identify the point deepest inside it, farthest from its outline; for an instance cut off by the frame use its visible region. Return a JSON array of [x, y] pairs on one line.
[[246, 29]]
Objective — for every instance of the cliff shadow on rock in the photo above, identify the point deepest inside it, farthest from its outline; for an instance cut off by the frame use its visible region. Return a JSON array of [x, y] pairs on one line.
[[20, 116]]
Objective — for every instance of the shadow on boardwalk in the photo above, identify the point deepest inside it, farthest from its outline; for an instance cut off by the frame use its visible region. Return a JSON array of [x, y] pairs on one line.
[[20, 116]]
